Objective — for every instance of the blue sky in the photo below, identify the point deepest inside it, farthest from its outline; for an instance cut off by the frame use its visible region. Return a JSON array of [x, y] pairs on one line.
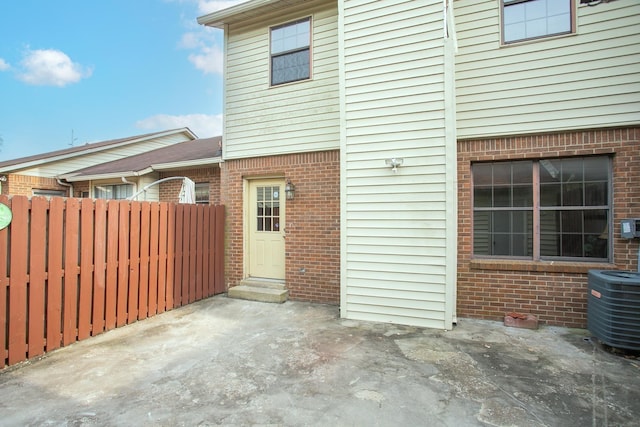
[[78, 71]]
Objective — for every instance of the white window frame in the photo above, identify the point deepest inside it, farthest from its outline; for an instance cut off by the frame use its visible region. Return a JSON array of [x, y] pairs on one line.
[[95, 187], [550, 33], [292, 51]]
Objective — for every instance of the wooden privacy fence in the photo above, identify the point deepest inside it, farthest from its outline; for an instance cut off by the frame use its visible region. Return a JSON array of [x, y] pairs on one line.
[[74, 268]]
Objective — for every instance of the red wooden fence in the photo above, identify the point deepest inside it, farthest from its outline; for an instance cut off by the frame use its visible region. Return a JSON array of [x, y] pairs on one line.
[[74, 268]]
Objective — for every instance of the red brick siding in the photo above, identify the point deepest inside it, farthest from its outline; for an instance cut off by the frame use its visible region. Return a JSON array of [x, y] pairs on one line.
[[555, 292], [312, 221], [170, 190], [81, 187], [23, 185]]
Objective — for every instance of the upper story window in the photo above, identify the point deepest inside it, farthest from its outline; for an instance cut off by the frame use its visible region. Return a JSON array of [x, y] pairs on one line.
[[291, 52], [119, 191], [531, 19], [555, 209]]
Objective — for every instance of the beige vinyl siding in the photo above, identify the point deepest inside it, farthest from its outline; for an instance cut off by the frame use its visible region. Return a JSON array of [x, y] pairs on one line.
[[153, 193], [394, 225], [295, 117], [56, 168], [586, 80]]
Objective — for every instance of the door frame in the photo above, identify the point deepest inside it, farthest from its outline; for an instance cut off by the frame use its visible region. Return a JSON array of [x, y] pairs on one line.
[[246, 223]]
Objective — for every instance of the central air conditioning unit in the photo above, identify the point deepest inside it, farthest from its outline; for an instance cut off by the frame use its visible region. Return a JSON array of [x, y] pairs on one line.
[[613, 308]]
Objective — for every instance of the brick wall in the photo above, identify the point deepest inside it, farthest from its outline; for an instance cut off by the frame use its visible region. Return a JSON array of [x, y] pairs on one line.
[[312, 221], [81, 187], [170, 190], [555, 292], [23, 185]]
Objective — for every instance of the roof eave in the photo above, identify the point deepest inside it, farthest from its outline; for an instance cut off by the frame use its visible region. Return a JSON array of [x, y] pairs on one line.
[[102, 176], [187, 164], [219, 18]]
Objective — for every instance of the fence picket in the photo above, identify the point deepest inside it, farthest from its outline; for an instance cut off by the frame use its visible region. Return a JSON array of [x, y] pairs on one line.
[[193, 240], [55, 273], [206, 283], [111, 289], [72, 268], [162, 258], [143, 285], [153, 260], [71, 272], [37, 283], [186, 238], [4, 285], [99, 266], [171, 240], [123, 264], [179, 238], [86, 268], [199, 211], [134, 262], [211, 259], [18, 282]]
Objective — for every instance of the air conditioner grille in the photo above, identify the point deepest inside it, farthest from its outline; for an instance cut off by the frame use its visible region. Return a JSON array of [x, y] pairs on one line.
[[613, 308]]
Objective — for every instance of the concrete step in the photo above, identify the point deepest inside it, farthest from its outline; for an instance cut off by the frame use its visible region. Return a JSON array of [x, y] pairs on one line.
[[263, 283], [258, 293]]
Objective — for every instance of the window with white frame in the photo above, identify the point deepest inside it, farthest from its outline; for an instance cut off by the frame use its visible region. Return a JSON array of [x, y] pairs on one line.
[[531, 19], [116, 191], [551, 209], [291, 52]]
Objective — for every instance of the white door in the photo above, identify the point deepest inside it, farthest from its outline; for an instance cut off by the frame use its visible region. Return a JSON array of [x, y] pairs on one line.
[[266, 229]]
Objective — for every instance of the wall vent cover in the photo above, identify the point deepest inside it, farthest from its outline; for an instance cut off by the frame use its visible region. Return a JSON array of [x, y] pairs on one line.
[[613, 308]]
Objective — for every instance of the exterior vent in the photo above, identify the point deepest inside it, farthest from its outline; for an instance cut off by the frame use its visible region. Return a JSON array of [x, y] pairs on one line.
[[613, 308]]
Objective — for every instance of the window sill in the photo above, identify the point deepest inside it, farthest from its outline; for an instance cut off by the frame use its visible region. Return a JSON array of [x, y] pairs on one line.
[[539, 266], [521, 42]]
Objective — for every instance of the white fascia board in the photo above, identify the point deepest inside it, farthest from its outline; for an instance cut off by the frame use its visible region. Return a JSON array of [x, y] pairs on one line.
[[114, 175], [186, 164], [218, 19]]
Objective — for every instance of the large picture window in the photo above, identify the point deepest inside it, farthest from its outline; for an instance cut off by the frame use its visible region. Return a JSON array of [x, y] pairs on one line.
[[531, 19], [290, 52], [547, 209]]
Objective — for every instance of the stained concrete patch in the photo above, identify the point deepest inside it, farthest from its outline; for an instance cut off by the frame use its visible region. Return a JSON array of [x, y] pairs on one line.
[[234, 362]]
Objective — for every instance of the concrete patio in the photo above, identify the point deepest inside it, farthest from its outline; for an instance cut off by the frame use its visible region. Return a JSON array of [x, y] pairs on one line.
[[234, 362]]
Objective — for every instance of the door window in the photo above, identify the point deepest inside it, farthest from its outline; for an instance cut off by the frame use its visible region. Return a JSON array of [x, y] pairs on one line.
[[268, 212]]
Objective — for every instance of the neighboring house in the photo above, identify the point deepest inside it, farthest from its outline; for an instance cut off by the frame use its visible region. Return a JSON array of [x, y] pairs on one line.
[[197, 160], [117, 169], [518, 135]]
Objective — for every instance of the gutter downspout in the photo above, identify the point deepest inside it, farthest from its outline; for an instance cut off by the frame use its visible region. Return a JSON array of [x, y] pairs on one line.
[[133, 184], [66, 184]]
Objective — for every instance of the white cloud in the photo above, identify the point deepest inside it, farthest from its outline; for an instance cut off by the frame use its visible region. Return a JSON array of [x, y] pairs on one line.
[[203, 125], [4, 66], [190, 40], [209, 59], [204, 41], [50, 67]]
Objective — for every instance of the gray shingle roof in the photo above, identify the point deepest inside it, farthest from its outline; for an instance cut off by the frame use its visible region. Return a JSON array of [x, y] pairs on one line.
[[198, 149], [89, 147]]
